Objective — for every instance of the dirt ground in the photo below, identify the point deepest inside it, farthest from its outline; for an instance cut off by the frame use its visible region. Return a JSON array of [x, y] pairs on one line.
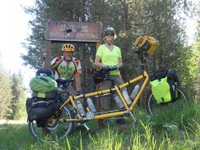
[[13, 122]]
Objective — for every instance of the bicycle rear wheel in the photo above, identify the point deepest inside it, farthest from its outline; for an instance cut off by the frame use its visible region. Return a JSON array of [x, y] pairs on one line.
[[153, 108], [53, 130]]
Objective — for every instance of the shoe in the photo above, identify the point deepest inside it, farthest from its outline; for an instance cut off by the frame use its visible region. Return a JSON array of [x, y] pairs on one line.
[[121, 121]]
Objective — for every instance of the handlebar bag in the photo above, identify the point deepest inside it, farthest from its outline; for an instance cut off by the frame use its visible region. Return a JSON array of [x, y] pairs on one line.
[[98, 77], [147, 44], [163, 85]]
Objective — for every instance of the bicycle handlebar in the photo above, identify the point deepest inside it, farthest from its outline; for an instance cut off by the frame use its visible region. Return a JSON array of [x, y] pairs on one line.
[[108, 68], [104, 70]]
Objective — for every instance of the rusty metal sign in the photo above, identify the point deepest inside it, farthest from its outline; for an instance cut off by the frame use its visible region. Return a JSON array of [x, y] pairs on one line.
[[73, 31]]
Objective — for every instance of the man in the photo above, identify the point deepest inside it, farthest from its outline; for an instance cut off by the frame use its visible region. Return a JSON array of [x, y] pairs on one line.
[[67, 66]]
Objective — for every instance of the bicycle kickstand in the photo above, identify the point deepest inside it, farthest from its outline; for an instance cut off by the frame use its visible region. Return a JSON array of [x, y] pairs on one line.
[[84, 124], [134, 119], [87, 128]]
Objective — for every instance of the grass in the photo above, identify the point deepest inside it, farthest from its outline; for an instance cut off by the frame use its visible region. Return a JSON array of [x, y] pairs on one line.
[[177, 128]]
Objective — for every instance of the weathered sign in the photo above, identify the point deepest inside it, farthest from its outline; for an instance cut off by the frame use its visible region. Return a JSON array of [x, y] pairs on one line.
[[73, 31]]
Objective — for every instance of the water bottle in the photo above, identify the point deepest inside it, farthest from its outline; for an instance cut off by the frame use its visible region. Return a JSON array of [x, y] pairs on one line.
[[80, 108], [126, 97], [91, 105], [135, 91], [118, 101]]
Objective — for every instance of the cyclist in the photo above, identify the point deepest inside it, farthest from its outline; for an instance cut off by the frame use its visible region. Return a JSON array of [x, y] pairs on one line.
[[67, 66], [109, 55]]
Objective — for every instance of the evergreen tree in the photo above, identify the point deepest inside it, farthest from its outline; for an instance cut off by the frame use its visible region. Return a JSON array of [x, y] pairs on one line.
[[161, 19], [18, 91], [5, 94]]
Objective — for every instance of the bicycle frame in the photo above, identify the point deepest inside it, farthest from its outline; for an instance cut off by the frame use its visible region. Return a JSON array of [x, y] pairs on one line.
[[120, 112]]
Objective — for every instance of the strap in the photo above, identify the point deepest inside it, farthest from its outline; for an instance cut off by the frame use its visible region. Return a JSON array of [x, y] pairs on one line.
[[42, 103]]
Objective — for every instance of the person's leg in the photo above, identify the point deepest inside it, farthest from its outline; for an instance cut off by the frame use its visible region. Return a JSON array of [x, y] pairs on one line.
[[119, 81], [104, 102], [71, 90]]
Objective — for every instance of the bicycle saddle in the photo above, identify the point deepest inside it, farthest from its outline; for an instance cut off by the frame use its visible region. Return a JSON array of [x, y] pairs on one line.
[[63, 80]]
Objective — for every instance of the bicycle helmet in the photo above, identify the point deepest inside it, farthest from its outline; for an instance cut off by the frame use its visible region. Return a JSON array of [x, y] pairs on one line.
[[68, 48], [109, 29]]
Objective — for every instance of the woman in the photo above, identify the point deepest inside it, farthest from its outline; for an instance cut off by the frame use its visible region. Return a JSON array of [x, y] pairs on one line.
[[109, 55]]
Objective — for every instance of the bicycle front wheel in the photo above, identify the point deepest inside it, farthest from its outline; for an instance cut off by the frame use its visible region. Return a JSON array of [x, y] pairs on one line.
[[153, 108], [52, 129]]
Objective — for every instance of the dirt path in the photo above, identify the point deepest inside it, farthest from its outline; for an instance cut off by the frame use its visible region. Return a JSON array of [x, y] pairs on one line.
[[12, 122]]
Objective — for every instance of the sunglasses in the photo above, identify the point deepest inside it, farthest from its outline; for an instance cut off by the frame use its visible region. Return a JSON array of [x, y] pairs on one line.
[[109, 34]]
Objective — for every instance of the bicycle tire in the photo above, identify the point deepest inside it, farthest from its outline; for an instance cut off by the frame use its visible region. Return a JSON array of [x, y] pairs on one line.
[[53, 131], [152, 107]]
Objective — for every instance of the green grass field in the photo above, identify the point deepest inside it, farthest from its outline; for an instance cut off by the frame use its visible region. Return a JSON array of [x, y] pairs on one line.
[[177, 128]]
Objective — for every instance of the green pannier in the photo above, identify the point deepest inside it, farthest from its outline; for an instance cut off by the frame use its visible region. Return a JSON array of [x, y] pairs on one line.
[[163, 85], [43, 84], [161, 90]]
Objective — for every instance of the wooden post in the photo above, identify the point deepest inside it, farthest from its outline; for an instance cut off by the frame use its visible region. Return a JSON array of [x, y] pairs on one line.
[[48, 56], [97, 88]]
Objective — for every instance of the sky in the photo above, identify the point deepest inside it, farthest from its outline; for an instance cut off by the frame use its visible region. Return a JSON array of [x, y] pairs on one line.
[[14, 30]]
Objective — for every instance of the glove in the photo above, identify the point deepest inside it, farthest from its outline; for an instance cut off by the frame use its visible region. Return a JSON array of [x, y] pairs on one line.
[[115, 67], [106, 68]]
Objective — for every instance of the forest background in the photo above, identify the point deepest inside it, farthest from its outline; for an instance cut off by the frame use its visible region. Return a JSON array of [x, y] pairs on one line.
[[164, 20]]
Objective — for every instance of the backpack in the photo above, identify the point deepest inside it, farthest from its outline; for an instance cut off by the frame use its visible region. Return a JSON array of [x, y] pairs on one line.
[[162, 85]]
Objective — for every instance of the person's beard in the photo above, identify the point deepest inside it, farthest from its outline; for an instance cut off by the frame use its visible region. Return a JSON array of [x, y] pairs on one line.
[[68, 58]]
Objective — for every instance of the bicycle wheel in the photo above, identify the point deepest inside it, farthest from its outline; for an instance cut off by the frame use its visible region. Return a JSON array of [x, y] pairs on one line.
[[153, 108], [53, 130]]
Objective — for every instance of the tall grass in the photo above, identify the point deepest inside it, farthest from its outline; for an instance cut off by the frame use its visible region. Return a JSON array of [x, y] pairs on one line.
[[175, 129]]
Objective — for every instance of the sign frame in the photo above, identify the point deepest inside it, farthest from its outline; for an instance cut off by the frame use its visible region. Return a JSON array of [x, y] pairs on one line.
[[73, 31]]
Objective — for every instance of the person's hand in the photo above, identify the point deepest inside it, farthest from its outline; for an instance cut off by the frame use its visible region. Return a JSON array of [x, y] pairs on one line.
[[106, 68], [116, 67]]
